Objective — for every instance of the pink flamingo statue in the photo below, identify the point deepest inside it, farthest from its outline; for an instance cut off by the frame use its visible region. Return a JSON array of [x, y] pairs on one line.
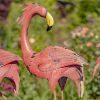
[[55, 64]]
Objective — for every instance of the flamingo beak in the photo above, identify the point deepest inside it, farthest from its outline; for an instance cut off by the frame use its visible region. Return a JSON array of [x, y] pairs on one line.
[[50, 21]]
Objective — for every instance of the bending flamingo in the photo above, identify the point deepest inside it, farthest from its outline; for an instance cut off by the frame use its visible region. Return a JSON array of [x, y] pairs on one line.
[[55, 64], [9, 69], [96, 67]]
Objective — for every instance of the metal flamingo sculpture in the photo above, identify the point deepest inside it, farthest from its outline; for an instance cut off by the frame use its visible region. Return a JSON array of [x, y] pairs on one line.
[[96, 67], [9, 69], [55, 64]]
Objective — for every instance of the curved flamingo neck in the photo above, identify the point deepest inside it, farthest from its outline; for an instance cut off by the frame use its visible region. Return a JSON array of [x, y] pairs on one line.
[[25, 46], [30, 11]]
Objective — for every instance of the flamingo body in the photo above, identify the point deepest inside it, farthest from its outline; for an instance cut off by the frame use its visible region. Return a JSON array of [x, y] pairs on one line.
[[54, 63]]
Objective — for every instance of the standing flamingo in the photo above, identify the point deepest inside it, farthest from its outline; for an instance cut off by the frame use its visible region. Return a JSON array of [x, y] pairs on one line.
[[96, 66], [55, 64], [9, 69]]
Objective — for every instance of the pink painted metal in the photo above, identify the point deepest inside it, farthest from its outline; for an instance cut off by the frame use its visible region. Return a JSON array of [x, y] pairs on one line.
[[9, 69], [54, 63], [96, 67]]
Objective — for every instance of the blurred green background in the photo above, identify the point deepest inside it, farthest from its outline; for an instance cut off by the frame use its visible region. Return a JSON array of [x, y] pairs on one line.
[[84, 15]]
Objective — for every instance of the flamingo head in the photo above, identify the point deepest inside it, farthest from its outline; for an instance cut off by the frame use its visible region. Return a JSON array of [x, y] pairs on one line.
[[33, 9]]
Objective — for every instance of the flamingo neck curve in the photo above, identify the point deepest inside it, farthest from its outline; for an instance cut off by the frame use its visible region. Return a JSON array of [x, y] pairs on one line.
[[27, 51]]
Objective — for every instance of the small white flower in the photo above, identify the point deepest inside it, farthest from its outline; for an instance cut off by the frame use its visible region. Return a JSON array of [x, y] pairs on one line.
[[32, 40]]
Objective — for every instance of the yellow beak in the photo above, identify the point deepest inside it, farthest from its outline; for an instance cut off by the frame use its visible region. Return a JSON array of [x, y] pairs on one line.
[[50, 21]]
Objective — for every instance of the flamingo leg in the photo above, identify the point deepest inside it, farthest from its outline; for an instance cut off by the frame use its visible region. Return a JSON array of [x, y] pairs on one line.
[[62, 93], [95, 69], [55, 97], [15, 95]]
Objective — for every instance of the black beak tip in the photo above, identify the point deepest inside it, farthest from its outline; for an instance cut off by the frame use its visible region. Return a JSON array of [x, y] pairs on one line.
[[49, 28]]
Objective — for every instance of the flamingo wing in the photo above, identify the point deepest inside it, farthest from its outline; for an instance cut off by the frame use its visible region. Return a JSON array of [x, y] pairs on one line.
[[58, 57], [7, 57]]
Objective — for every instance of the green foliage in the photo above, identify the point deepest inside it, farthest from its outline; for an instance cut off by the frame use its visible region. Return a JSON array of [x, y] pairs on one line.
[[33, 88]]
